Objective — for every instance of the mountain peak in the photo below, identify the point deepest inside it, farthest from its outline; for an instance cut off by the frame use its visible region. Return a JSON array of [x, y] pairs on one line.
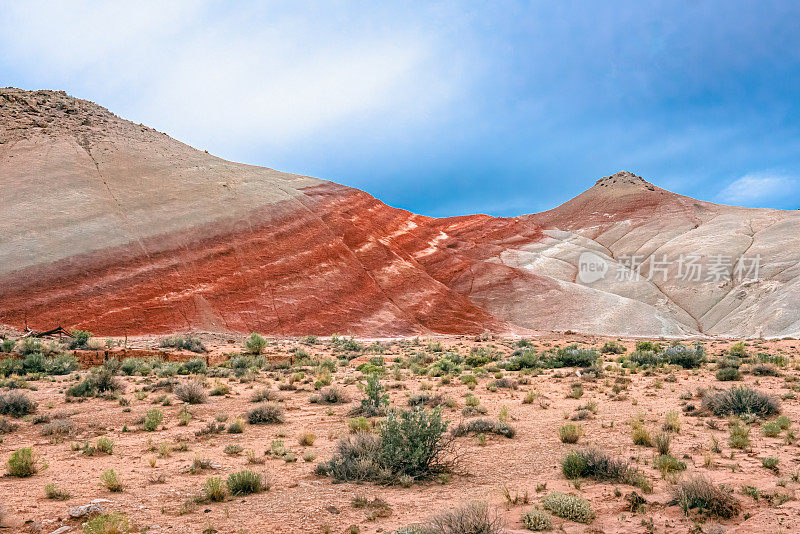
[[623, 179]]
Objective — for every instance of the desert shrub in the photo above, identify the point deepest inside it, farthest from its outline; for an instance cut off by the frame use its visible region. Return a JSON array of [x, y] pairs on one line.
[[484, 426], [598, 465], [255, 343], [7, 345], [245, 482], [570, 507], [570, 433], [648, 346], [376, 399], [16, 404], [61, 364], [412, 444], [111, 481], [764, 369], [105, 445], [504, 383], [523, 359], [193, 366], [189, 343], [738, 350], [80, 339], [770, 463], [114, 523], [331, 395], [771, 429], [738, 435], [728, 374], [6, 425], [358, 424], [22, 463], [641, 436], [573, 356], [215, 489], [741, 401], [153, 419], [537, 520], [98, 382], [666, 463], [190, 392], [266, 413], [53, 492], [682, 355], [662, 442], [263, 395], [471, 518], [612, 347], [357, 458], [700, 493]]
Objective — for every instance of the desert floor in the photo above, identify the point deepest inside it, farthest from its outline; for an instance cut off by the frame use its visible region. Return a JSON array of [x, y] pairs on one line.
[[158, 488]]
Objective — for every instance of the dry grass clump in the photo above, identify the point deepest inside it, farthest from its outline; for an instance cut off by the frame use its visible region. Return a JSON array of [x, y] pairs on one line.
[[264, 395], [190, 392], [16, 404], [266, 413], [741, 401], [471, 518], [114, 523], [53, 492], [598, 465], [705, 496], [246, 482], [331, 395], [59, 427], [570, 433], [484, 426], [570, 507]]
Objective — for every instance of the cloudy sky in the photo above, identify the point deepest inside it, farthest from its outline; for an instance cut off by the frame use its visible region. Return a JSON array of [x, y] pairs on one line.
[[446, 108]]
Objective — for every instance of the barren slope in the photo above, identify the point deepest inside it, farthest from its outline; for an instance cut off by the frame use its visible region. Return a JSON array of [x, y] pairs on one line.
[[116, 228]]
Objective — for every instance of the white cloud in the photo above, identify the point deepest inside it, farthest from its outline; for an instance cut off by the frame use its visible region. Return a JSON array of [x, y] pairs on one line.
[[758, 188], [224, 76]]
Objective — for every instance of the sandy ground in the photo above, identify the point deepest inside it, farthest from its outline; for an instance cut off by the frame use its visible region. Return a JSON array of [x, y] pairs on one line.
[[300, 501]]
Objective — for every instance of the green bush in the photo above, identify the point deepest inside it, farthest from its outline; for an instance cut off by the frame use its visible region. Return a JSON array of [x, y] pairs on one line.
[[376, 399], [612, 347], [16, 404], [101, 381], [666, 463], [728, 374], [22, 463], [702, 494], [245, 482], [80, 339], [741, 401], [111, 481], [569, 507], [266, 413], [105, 445], [255, 343], [153, 419], [412, 445], [189, 343]]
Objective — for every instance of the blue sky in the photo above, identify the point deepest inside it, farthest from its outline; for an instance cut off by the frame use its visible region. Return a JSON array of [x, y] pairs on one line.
[[446, 108]]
